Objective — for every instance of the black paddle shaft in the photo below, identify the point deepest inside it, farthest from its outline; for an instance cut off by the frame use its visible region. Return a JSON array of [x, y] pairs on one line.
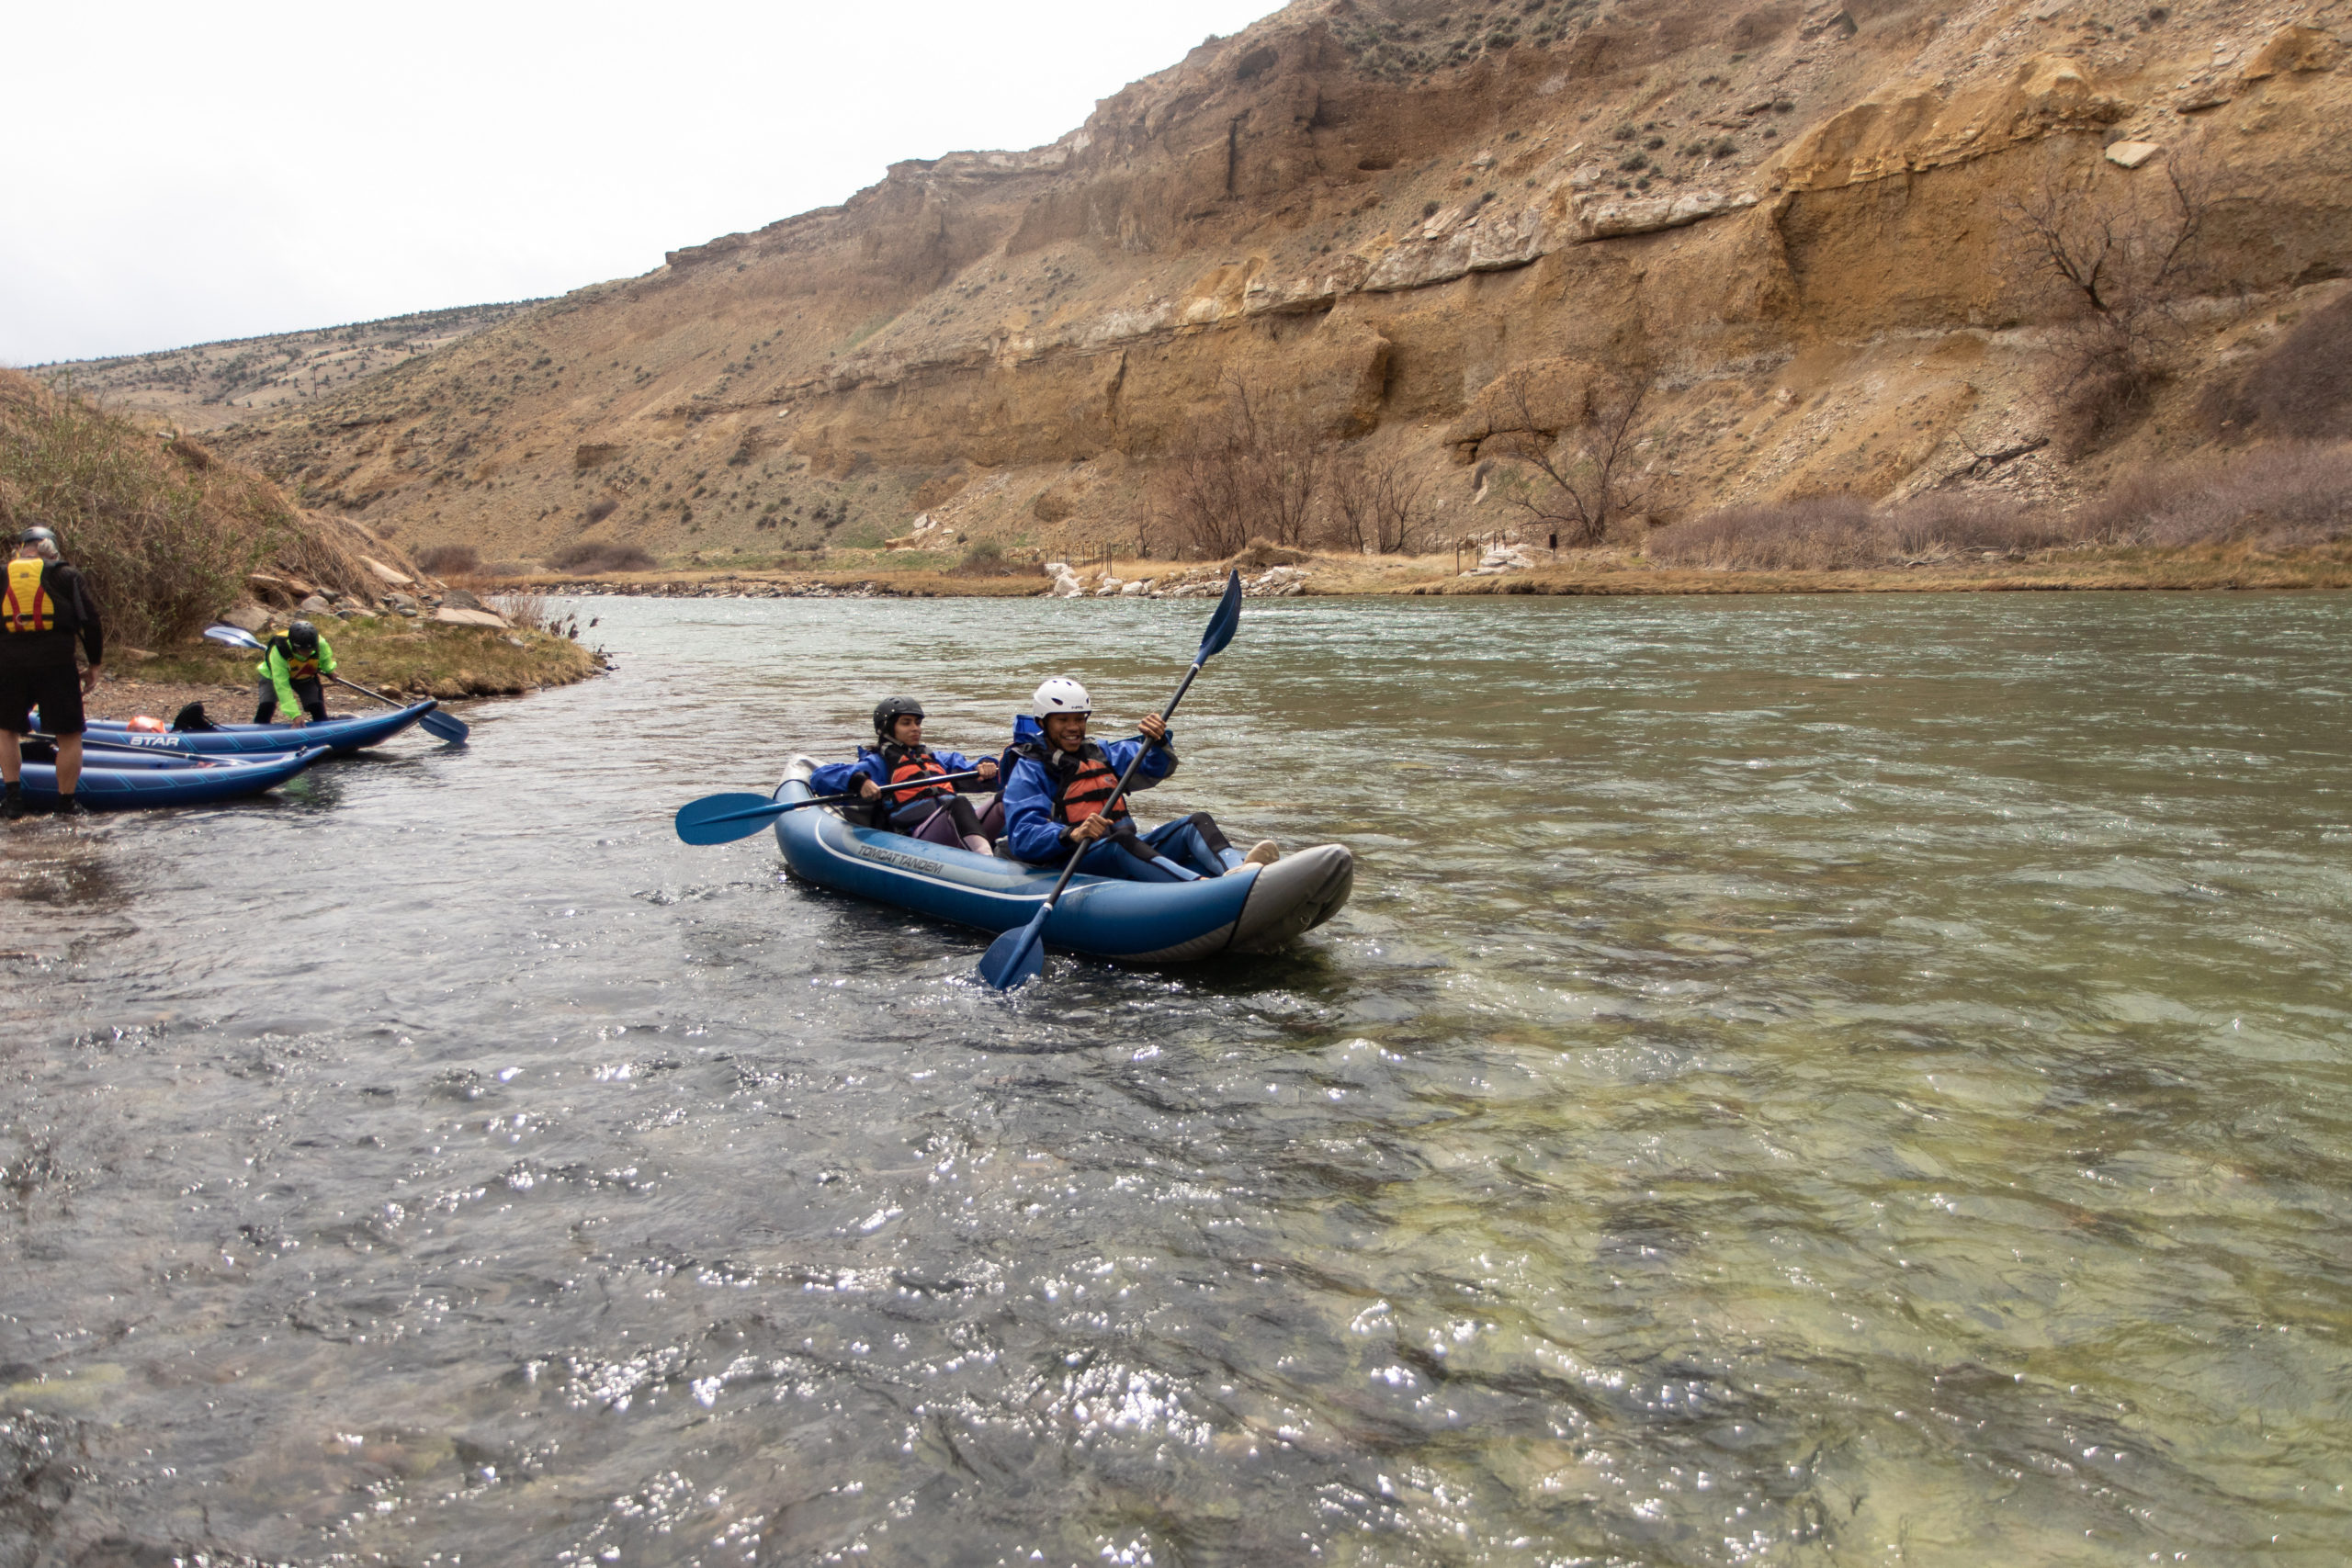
[[1128, 772]]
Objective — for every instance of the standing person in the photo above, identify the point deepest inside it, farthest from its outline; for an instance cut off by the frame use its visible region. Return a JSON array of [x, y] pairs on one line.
[[938, 813], [44, 605], [289, 670], [1058, 797]]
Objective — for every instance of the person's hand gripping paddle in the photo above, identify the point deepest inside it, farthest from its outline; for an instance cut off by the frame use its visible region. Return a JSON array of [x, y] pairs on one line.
[[1020, 955], [448, 727]]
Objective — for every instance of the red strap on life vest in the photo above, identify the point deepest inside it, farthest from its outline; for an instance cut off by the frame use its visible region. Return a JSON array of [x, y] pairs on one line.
[[24, 603]]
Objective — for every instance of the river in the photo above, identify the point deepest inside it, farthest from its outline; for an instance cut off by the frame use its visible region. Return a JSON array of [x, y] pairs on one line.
[[1800, 1081]]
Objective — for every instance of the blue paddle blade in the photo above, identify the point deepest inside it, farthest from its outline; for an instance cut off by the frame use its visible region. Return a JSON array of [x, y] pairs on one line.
[[235, 637], [1224, 623], [1018, 956], [723, 818], [448, 727]]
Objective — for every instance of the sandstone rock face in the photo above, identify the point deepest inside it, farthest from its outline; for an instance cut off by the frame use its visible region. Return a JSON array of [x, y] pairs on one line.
[[1606, 217], [1453, 244], [1378, 234], [448, 615], [2294, 47], [1910, 127]]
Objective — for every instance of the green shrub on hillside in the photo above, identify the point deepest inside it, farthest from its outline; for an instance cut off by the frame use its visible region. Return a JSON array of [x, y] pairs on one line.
[[164, 531]]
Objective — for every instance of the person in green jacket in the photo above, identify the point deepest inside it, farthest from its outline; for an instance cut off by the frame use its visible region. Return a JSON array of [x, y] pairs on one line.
[[289, 672]]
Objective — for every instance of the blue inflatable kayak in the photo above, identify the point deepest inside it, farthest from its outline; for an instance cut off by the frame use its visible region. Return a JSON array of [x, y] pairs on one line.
[[338, 735], [121, 781], [1130, 922]]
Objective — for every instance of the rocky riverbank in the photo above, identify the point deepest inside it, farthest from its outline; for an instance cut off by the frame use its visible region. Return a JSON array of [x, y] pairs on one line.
[[399, 655], [1517, 570]]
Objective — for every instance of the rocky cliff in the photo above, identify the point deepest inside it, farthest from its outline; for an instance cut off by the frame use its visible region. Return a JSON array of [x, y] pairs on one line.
[[1382, 214]]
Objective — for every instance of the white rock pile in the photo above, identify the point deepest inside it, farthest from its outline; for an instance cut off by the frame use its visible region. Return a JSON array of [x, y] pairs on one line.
[[1494, 562], [1193, 583]]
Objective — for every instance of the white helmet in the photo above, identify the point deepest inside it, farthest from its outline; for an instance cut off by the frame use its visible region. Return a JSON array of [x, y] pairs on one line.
[[1061, 694]]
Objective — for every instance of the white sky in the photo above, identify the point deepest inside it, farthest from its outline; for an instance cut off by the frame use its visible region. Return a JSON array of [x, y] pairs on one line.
[[178, 174]]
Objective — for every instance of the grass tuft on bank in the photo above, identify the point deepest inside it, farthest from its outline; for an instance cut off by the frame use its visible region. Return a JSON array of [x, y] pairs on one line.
[[400, 657]]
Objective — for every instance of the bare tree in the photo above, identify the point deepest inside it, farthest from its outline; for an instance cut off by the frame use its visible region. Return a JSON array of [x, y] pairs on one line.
[[2119, 250], [1578, 445], [1253, 471], [1378, 504]]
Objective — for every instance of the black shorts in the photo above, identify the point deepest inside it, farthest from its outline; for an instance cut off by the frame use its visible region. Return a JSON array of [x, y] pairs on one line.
[[55, 689]]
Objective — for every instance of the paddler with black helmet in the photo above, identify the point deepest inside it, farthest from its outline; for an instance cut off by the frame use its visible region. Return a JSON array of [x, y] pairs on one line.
[[44, 607], [291, 663], [937, 813], [1058, 796]]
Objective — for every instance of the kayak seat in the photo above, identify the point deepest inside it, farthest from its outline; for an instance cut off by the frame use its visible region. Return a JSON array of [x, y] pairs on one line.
[[939, 828]]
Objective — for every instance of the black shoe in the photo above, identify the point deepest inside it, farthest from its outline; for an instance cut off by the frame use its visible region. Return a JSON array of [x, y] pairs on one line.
[[12, 805], [72, 806]]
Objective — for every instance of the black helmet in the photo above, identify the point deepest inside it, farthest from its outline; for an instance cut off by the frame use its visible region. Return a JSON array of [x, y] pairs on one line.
[[889, 710], [302, 634], [37, 534]]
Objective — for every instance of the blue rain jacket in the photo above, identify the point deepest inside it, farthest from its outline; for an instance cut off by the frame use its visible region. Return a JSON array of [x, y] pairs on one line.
[[841, 778], [1030, 830]]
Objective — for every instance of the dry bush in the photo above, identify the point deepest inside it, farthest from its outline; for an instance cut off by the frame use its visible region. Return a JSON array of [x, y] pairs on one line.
[[1378, 505], [584, 557], [164, 531], [2275, 499], [1252, 468], [450, 560], [1820, 533], [2300, 388], [987, 558], [2098, 390], [1930, 523], [2118, 251], [1578, 444], [527, 608]]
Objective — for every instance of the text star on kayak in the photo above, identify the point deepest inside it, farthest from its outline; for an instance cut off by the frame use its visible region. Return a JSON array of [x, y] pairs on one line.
[[936, 813], [1058, 796], [44, 607], [291, 666]]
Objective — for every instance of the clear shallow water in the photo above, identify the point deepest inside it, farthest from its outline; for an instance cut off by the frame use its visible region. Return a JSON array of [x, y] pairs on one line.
[[1802, 1081]]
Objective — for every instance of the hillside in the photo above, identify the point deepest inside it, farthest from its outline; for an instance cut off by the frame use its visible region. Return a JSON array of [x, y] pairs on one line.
[[1438, 234], [214, 384]]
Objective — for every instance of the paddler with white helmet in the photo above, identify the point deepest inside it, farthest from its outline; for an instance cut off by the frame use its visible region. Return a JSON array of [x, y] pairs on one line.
[[1058, 796]]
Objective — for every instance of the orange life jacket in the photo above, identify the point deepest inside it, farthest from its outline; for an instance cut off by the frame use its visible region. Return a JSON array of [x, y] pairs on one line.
[[907, 763], [1086, 790], [24, 603]]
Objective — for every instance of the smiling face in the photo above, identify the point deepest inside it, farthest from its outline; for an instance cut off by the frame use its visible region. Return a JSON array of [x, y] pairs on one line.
[[906, 729], [1066, 731]]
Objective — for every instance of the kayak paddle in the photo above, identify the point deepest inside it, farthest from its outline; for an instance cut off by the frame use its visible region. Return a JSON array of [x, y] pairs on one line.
[[723, 818], [1019, 955], [90, 745], [448, 727]]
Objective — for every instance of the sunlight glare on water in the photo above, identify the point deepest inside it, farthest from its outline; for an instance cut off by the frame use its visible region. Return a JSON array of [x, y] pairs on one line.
[[1800, 1081]]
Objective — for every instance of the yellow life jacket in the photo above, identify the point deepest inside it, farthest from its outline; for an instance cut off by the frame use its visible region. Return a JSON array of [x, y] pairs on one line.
[[25, 604], [299, 666]]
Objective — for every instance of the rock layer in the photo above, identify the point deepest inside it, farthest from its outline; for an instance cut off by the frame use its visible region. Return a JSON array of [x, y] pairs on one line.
[[1373, 218]]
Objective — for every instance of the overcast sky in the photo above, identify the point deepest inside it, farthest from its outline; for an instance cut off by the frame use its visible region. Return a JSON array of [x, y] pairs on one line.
[[179, 174]]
